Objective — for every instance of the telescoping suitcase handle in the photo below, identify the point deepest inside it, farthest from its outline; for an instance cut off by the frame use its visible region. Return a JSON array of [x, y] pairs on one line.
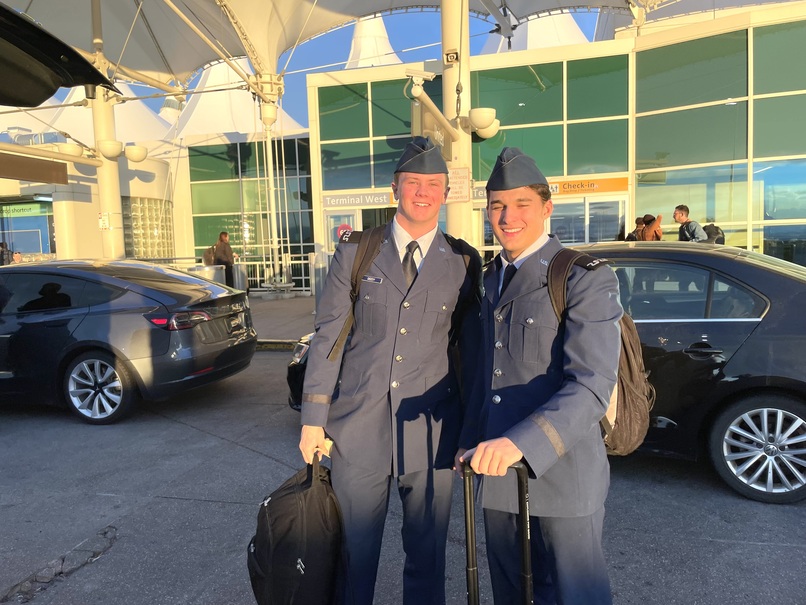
[[472, 568]]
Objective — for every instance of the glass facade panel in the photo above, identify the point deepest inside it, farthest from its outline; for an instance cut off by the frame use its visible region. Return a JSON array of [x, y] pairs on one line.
[[213, 162], [255, 196], [597, 147], [782, 189], [345, 166], [692, 72], [544, 144], [521, 95], [695, 136], [391, 110], [779, 127], [386, 153], [285, 157], [209, 198], [343, 112], [714, 194], [207, 228], [597, 87], [774, 48], [787, 242]]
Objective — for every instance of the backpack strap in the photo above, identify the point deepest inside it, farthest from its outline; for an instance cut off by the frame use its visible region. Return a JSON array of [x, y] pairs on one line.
[[369, 244], [560, 269], [473, 268]]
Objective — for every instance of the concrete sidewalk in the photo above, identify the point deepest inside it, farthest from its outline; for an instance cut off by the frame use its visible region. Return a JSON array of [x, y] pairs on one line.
[[280, 323]]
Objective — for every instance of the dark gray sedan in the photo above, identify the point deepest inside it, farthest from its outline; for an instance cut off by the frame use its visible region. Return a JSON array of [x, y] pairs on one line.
[[97, 334]]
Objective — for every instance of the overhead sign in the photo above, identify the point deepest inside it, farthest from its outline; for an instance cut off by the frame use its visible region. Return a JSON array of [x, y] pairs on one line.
[[24, 168], [424, 124], [588, 186], [357, 199]]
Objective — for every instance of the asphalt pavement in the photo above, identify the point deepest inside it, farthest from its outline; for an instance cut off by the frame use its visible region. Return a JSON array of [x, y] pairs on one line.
[[159, 509]]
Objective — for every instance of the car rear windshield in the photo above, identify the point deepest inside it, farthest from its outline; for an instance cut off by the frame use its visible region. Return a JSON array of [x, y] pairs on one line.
[[150, 276], [776, 264]]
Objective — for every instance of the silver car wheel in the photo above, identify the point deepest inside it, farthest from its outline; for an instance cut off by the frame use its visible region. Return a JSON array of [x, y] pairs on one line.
[[94, 389], [765, 449]]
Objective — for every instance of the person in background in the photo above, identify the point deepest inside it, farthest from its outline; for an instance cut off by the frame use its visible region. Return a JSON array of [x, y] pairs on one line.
[[16, 258], [541, 391], [690, 231], [632, 236], [397, 419], [5, 254], [225, 256], [651, 230]]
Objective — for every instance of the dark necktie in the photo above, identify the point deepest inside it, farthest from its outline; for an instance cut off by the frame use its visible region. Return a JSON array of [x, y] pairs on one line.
[[509, 273], [409, 266]]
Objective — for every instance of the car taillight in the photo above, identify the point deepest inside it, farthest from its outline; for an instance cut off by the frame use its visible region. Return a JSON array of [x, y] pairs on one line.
[[179, 321]]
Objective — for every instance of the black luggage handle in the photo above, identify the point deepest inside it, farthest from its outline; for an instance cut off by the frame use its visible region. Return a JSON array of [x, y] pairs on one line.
[[472, 569]]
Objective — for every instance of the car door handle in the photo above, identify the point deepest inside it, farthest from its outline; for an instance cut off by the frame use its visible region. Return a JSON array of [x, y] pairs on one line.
[[702, 350], [56, 323]]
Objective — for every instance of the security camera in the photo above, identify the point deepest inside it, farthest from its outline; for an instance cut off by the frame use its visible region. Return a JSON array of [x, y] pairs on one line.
[[416, 73]]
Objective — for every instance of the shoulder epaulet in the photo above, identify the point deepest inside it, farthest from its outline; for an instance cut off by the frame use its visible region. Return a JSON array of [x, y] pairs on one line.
[[590, 262], [350, 237]]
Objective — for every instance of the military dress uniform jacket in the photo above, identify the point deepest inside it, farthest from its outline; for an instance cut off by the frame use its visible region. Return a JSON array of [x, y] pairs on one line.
[[398, 403], [546, 388]]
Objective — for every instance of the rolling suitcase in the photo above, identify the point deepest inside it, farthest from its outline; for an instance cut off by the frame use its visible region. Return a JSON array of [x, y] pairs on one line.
[[472, 569]]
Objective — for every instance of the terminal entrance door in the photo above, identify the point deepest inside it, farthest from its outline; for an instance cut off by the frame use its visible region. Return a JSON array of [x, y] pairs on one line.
[[585, 220]]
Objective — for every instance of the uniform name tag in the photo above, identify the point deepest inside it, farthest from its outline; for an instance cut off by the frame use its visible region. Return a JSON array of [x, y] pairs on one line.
[[372, 280]]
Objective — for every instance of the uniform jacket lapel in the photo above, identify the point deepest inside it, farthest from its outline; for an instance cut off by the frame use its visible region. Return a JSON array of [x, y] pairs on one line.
[[388, 261], [435, 265], [531, 275]]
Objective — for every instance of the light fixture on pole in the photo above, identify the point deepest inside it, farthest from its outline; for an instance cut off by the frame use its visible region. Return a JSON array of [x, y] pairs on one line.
[[112, 150], [483, 122]]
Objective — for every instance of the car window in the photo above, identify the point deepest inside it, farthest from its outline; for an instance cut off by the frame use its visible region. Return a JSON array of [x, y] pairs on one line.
[[658, 290], [99, 294], [731, 300], [662, 290], [41, 292]]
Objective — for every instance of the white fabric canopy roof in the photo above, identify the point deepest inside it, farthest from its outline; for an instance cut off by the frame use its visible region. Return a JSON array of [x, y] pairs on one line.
[[147, 36]]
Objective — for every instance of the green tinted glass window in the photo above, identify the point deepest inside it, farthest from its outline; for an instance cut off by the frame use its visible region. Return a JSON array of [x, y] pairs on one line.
[[692, 72], [779, 186], [345, 166], [695, 136], [247, 157], [386, 153], [304, 156], [255, 196], [597, 147], [713, 194], [779, 127], [285, 157], [544, 144], [207, 228], [343, 112], [391, 109], [774, 49], [213, 162], [211, 198], [597, 87], [521, 95]]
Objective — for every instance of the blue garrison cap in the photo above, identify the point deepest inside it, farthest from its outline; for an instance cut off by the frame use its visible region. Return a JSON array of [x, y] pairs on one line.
[[514, 169], [422, 157]]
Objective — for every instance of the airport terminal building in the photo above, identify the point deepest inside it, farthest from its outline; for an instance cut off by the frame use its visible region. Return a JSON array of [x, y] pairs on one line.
[[704, 109]]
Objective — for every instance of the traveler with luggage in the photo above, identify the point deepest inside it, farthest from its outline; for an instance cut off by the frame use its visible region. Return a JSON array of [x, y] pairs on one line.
[[396, 419], [690, 230], [544, 388]]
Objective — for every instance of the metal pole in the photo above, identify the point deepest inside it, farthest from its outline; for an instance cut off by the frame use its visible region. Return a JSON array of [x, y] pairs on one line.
[[103, 121]]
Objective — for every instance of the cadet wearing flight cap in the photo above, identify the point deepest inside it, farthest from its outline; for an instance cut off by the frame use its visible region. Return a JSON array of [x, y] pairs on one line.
[[397, 416], [545, 388]]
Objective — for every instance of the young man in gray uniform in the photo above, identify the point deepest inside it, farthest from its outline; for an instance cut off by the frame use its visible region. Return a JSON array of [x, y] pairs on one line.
[[397, 416], [545, 388]]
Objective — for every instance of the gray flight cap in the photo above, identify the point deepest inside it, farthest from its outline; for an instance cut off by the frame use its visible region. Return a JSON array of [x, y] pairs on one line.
[[422, 157], [514, 169]]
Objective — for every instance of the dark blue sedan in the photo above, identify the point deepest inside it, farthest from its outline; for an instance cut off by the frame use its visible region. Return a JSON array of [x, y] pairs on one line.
[[95, 335]]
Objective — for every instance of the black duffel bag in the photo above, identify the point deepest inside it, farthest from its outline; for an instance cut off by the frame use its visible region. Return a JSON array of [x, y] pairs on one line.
[[295, 555]]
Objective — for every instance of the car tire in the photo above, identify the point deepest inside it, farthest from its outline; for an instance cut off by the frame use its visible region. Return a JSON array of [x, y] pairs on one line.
[[99, 388], [757, 447]]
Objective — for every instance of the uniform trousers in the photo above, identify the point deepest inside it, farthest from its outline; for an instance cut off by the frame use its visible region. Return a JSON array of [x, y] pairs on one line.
[[568, 563], [364, 499]]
